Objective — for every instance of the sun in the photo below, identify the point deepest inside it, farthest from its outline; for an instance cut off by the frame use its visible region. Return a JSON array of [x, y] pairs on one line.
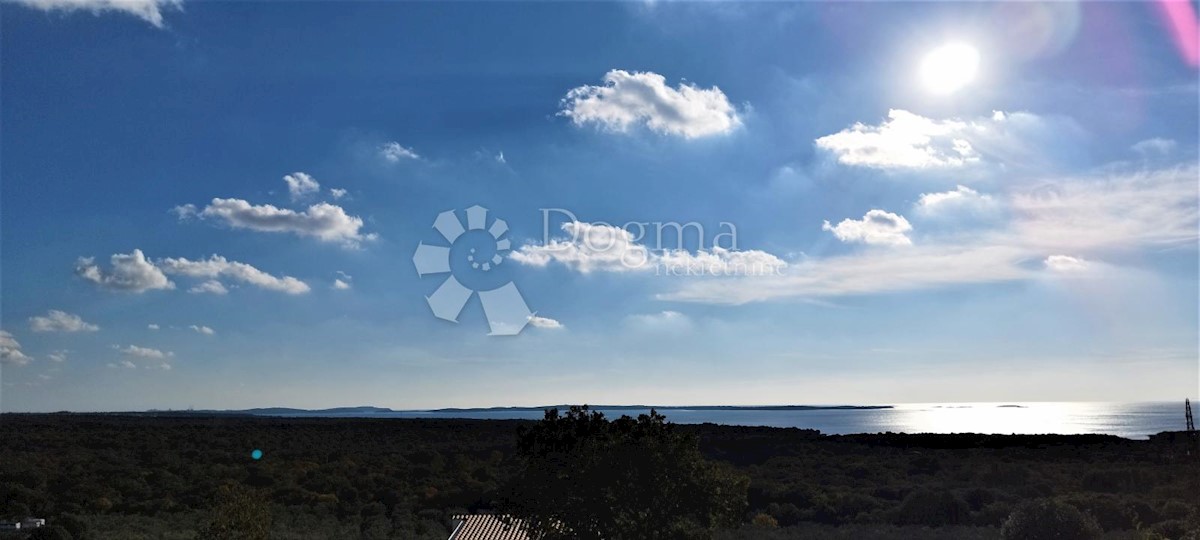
[[950, 67]]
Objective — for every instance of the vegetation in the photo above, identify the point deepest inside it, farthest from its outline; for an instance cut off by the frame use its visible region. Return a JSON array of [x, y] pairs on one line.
[[188, 477], [1047, 519], [586, 478]]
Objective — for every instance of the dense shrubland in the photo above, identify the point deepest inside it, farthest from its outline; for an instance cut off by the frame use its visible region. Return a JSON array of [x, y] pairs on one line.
[[134, 477]]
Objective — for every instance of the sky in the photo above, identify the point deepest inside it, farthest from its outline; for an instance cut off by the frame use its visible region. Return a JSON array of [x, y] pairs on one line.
[[248, 204]]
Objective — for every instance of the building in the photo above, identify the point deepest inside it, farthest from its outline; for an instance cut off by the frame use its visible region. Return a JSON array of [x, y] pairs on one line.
[[32, 523], [487, 527]]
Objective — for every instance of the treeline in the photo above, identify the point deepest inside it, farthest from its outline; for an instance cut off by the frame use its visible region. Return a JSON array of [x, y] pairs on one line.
[[164, 477]]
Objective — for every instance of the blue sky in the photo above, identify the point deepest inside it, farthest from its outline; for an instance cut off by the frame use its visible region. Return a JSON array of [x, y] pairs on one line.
[[217, 204]]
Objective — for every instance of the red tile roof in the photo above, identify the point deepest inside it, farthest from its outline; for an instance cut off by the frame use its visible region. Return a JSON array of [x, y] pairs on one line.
[[488, 527]]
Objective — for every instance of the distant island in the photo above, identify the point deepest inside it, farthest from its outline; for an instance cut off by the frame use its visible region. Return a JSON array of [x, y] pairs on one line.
[[671, 408], [370, 410]]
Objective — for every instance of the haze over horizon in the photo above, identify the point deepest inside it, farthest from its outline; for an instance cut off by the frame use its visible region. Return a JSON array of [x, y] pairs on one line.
[[225, 205]]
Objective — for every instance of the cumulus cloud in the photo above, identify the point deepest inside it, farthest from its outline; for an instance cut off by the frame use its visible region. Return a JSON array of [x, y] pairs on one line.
[[130, 272], [544, 322], [301, 185], [904, 140], [147, 10], [593, 247], [323, 221], [58, 356], [337, 193], [643, 98], [394, 152], [876, 227], [911, 141], [217, 266], [201, 329], [152, 326], [961, 199], [211, 286], [10, 351], [343, 281], [1065, 263], [60, 321]]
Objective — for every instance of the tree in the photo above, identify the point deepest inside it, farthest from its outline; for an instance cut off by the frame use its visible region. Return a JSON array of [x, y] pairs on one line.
[[586, 477], [240, 514], [1048, 519]]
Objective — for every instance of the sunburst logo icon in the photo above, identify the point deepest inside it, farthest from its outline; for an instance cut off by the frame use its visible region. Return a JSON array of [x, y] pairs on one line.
[[471, 258]]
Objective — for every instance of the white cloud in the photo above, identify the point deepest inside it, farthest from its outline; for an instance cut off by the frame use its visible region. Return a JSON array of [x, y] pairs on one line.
[[643, 98], [544, 322], [1111, 212], [211, 286], [960, 200], [337, 193], [60, 321], [323, 221], [867, 272], [394, 152], [130, 272], [343, 281], [876, 227], [152, 326], [910, 141], [1155, 147], [201, 329], [122, 364], [500, 158], [144, 352], [591, 247], [10, 351], [1065, 263], [605, 248], [301, 185], [905, 140], [217, 266], [58, 356], [664, 321], [147, 10]]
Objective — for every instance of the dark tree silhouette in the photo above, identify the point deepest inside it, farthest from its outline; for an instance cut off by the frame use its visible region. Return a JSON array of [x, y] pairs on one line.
[[586, 477]]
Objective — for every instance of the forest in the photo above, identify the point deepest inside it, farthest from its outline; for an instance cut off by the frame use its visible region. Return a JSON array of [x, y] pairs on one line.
[[97, 476]]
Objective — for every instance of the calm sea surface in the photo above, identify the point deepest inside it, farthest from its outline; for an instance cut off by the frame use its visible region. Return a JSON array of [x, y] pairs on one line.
[[1133, 420]]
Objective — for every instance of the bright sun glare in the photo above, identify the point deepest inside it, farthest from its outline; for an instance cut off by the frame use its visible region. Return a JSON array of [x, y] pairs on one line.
[[949, 67]]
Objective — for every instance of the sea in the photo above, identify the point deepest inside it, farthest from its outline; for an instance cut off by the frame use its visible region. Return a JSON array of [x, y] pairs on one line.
[[1130, 420]]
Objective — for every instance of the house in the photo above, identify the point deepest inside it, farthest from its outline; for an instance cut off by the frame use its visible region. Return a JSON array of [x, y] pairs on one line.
[[487, 527], [27, 523], [32, 523]]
